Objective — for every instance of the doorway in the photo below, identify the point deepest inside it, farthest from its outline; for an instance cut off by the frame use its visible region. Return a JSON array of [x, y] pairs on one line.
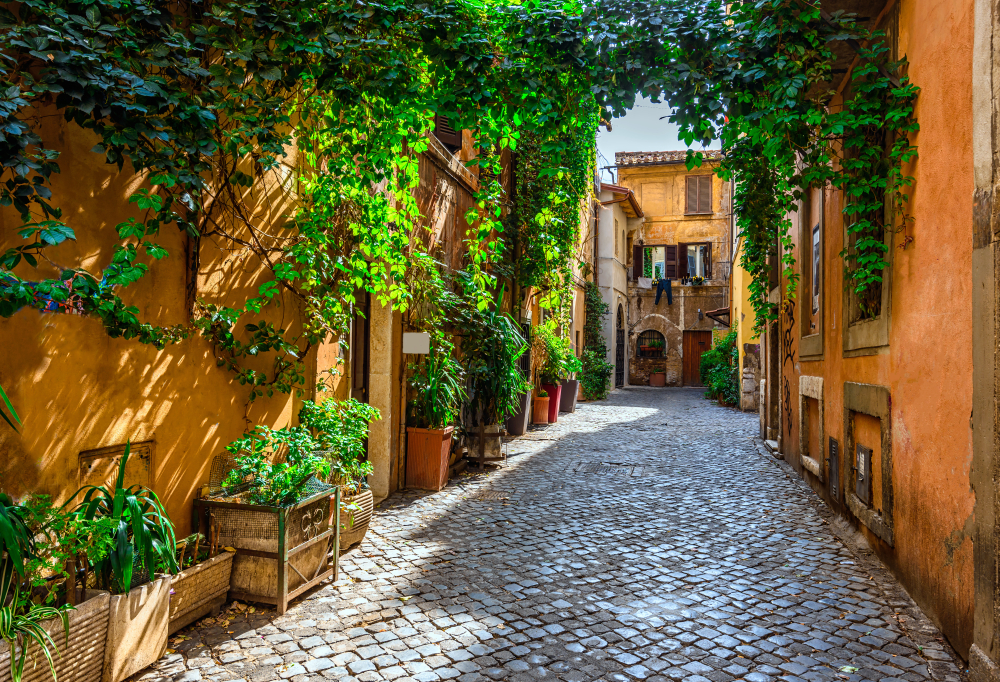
[[620, 349], [360, 340], [695, 343]]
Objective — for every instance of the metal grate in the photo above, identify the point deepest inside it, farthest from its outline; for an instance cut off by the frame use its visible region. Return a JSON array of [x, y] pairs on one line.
[[607, 469]]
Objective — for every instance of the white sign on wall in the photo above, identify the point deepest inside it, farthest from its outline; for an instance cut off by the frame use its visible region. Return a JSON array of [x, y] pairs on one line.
[[417, 343]]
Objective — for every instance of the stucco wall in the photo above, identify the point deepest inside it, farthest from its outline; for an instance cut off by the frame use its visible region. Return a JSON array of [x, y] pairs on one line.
[[927, 364]]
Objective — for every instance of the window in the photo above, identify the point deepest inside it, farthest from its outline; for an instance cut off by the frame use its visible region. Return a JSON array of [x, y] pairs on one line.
[[816, 276], [617, 248], [659, 262], [651, 344], [449, 137], [695, 260], [699, 194]]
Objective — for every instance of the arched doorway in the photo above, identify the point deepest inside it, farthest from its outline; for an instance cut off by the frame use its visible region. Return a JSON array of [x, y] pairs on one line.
[[620, 348]]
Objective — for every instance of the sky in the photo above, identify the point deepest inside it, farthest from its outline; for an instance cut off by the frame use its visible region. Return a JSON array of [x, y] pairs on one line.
[[640, 130]]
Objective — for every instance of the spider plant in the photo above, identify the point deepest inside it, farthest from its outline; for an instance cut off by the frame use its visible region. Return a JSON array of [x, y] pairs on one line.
[[22, 624], [143, 530], [8, 414]]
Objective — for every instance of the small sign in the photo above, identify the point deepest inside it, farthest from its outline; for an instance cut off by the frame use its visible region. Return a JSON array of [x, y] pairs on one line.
[[417, 343]]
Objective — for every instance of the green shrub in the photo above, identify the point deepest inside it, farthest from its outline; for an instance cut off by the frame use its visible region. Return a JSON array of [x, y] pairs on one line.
[[596, 375], [720, 370]]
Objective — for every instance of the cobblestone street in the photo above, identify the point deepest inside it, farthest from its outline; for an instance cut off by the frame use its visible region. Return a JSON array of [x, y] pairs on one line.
[[643, 537]]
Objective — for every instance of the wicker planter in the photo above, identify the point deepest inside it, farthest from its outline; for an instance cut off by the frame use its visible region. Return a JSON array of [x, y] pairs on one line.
[[200, 590], [82, 659], [280, 551], [517, 424], [354, 522], [137, 629], [427, 453], [570, 389], [540, 410], [555, 397]]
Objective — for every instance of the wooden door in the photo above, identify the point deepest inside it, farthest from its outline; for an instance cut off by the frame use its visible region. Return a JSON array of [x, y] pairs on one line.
[[695, 343]]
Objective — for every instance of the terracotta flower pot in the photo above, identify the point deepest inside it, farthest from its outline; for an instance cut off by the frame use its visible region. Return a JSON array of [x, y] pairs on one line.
[[555, 395], [200, 590], [427, 453], [540, 410], [354, 522], [658, 379]]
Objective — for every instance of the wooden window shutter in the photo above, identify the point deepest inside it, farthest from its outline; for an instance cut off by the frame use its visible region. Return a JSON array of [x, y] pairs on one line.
[[704, 194], [692, 194], [682, 260], [444, 132], [708, 261], [671, 258], [636, 262]]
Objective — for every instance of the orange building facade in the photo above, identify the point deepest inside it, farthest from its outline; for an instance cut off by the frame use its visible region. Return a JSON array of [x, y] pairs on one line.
[[876, 414]]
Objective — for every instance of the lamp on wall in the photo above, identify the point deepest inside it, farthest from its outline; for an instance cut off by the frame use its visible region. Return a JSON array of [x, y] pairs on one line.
[[701, 315]]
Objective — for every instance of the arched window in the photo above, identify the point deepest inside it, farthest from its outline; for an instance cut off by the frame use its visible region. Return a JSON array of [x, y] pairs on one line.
[[621, 317], [651, 344]]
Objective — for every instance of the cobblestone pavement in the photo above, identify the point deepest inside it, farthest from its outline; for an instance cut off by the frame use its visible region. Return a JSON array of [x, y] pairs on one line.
[[643, 537]]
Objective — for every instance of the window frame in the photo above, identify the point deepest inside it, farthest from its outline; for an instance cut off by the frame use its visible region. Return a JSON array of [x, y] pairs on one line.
[[811, 342]]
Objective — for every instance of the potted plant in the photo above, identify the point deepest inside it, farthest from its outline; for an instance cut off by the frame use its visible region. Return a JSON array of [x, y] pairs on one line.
[[492, 347], [52, 630], [570, 385], [697, 280], [136, 571], [439, 394], [658, 377], [275, 512], [553, 353], [201, 587], [340, 428], [540, 413]]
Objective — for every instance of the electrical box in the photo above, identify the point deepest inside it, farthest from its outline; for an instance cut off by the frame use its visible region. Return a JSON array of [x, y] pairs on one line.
[[863, 474], [833, 469]]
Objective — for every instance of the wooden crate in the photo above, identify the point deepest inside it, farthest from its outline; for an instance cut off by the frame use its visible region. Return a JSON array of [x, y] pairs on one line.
[[280, 551]]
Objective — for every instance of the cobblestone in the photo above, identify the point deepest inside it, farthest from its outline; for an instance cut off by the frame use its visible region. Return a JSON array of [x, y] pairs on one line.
[[646, 537]]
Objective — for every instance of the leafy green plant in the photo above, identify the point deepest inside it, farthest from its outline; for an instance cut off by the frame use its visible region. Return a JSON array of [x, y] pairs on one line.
[[439, 391], [339, 429], [720, 370], [596, 374], [542, 393], [143, 534], [7, 412], [273, 466], [573, 365], [17, 542], [551, 352]]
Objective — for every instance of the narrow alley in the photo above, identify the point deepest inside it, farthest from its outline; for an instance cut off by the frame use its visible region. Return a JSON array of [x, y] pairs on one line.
[[643, 537]]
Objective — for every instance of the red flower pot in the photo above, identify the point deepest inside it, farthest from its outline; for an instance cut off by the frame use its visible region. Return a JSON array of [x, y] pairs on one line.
[[555, 396]]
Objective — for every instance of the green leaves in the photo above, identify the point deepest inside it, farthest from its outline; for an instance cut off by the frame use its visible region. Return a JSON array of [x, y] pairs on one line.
[[8, 414]]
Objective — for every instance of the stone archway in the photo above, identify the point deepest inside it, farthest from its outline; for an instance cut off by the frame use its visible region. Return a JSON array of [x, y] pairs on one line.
[[673, 351]]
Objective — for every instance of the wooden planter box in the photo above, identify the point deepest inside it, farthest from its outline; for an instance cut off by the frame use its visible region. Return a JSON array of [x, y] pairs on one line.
[[199, 591], [82, 660], [280, 551], [540, 410], [427, 453], [354, 522], [137, 629]]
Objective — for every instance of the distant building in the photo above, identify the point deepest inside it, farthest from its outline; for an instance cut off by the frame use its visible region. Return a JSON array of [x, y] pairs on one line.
[[681, 251]]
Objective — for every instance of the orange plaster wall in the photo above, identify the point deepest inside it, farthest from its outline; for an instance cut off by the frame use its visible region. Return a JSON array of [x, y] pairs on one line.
[[928, 363], [76, 389]]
